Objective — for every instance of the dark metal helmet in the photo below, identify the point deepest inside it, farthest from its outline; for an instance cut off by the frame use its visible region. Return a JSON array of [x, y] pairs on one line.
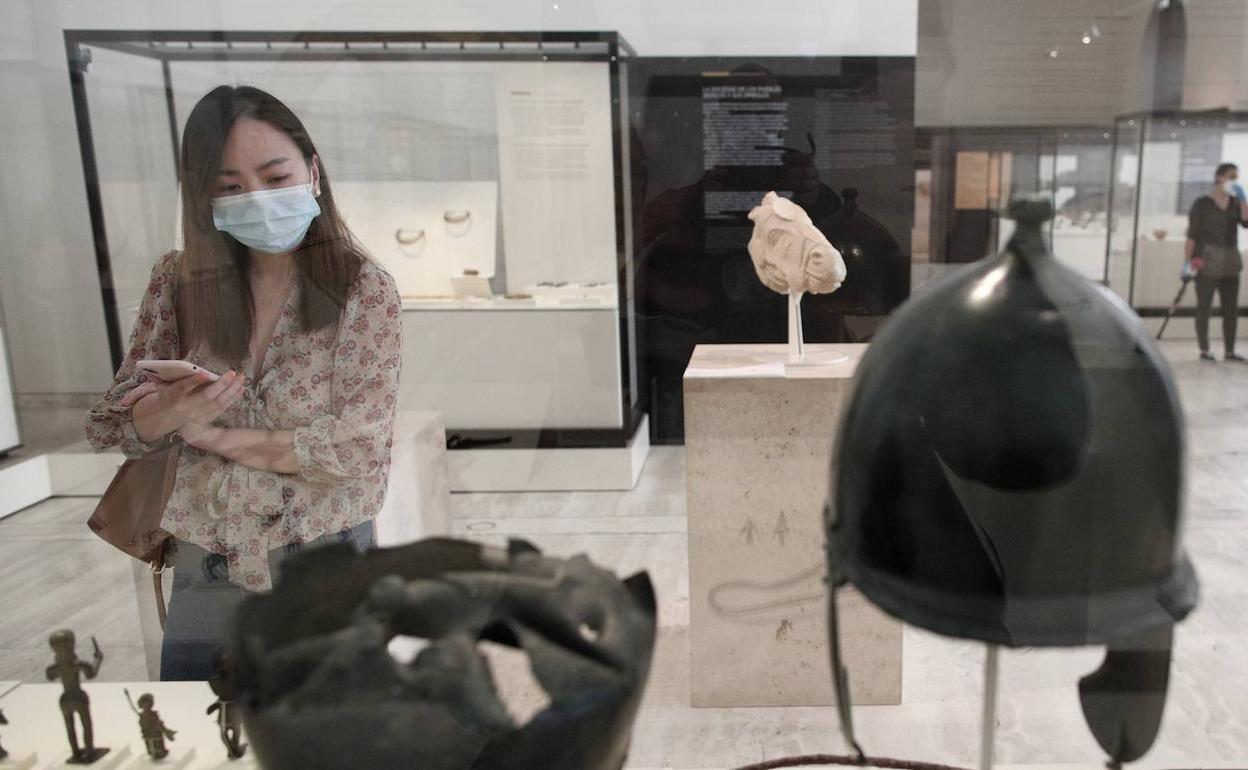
[[1010, 469], [318, 687]]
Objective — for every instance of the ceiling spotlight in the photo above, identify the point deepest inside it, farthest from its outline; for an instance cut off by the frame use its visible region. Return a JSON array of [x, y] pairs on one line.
[[1052, 53], [1095, 30]]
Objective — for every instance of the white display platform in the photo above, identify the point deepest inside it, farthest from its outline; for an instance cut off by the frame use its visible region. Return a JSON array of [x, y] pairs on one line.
[[36, 728], [758, 440], [55, 474], [24, 483], [551, 470]]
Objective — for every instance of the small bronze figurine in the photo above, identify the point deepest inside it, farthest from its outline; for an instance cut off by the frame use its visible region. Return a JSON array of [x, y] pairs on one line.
[[74, 700], [3, 721], [151, 726], [229, 721]]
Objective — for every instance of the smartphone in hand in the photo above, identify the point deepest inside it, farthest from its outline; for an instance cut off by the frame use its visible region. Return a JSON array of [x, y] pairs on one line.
[[172, 371]]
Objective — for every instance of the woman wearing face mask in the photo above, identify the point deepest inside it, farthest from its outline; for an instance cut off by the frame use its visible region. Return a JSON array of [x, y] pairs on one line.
[[291, 446], [1212, 254]]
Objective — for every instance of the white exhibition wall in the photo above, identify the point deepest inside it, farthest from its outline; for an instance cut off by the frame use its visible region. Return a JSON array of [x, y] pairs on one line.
[[48, 281]]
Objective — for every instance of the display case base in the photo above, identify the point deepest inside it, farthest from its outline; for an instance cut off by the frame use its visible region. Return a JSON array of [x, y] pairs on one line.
[[592, 469]]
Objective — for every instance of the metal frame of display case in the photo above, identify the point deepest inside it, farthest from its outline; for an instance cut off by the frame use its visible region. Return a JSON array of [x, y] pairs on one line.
[[172, 46], [1144, 118]]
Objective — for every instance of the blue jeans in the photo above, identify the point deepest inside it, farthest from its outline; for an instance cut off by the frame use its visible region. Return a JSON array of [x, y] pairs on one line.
[[203, 601]]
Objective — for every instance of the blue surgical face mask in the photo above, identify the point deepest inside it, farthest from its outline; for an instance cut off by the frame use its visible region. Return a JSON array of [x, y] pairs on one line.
[[272, 221]]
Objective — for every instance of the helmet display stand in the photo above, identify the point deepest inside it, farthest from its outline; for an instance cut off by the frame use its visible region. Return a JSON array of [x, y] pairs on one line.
[[988, 728], [799, 356]]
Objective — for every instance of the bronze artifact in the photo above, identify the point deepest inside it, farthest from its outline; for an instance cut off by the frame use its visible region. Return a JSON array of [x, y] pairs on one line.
[[151, 726], [229, 720], [318, 687], [74, 701]]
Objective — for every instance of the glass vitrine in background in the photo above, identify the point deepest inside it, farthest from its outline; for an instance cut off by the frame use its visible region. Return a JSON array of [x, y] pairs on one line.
[[1163, 162], [485, 171]]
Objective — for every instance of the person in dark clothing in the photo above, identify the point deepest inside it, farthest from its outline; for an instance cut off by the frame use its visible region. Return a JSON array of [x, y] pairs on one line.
[[1212, 254]]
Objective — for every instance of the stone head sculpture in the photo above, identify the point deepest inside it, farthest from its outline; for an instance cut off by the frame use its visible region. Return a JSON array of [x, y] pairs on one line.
[[318, 687], [788, 251]]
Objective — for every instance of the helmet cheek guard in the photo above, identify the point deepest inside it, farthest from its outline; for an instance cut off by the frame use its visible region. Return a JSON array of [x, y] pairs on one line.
[[1010, 469]]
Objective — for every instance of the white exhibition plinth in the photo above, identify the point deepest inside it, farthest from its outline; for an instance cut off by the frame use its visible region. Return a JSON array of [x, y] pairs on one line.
[[758, 442]]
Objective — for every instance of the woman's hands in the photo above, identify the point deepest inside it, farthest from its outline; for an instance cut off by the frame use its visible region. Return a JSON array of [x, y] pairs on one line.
[[201, 436], [162, 407]]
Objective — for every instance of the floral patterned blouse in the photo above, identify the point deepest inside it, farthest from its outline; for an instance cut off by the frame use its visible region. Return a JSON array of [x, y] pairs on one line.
[[336, 388]]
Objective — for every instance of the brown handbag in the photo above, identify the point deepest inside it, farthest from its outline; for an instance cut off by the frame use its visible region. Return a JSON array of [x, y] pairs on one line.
[[129, 514]]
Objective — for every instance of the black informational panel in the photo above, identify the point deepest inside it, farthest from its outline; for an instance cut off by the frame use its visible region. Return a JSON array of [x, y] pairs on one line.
[[711, 137]]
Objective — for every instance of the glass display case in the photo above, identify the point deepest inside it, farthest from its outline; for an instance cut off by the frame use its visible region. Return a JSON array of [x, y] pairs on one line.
[[976, 170], [10, 436], [1163, 162], [485, 172], [602, 385]]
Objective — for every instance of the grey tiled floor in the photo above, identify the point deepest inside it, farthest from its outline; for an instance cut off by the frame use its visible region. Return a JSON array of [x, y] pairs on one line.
[[53, 573]]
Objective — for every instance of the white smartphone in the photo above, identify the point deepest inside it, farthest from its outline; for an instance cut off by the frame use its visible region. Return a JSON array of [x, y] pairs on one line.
[[172, 371]]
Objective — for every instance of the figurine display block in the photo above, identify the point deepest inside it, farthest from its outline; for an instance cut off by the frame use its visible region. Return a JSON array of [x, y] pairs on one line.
[[36, 734], [758, 444]]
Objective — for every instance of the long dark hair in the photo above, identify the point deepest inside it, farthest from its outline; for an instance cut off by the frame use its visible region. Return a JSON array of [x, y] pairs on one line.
[[215, 303]]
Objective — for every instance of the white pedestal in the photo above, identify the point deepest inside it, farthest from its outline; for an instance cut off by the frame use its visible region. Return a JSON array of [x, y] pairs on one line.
[[418, 500], [180, 758], [758, 440]]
